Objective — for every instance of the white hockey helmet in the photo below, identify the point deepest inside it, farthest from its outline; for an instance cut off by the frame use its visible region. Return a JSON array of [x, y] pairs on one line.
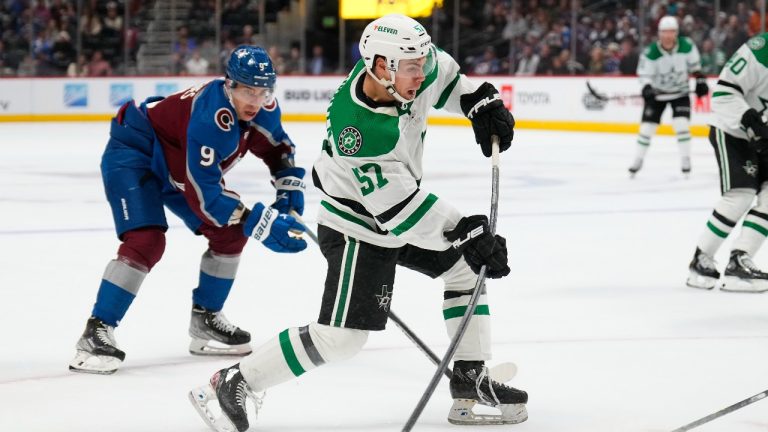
[[396, 37], [668, 23]]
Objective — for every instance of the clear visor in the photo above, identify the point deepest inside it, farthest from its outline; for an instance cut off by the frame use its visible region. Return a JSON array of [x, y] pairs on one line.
[[259, 96], [418, 67]]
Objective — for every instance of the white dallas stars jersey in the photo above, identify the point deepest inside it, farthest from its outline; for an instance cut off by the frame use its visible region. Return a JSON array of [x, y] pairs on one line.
[[370, 167], [743, 84], [668, 71]]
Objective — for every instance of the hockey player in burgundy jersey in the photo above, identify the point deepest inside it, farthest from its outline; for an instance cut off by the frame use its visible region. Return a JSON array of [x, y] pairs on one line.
[[173, 152]]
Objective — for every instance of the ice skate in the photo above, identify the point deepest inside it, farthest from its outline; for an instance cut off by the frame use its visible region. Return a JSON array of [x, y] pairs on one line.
[[685, 166], [228, 392], [742, 275], [471, 385], [213, 334], [97, 350], [635, 167], [703, 271]]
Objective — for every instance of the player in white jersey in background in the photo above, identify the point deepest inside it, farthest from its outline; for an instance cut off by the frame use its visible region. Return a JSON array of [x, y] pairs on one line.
[[739, 135], [664, 68], [374, 216]]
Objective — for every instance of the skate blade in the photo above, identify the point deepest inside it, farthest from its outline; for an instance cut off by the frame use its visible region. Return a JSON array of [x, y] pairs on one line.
[[738, 285], [461, 413], [696, 280], [212, 348], [200, 398], [85, 362]]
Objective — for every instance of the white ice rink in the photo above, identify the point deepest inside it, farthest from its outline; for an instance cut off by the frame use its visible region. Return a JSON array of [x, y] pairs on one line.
[[595, 313]]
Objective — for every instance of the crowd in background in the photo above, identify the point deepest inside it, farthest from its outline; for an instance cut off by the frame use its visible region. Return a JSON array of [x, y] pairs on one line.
[[516, 37]]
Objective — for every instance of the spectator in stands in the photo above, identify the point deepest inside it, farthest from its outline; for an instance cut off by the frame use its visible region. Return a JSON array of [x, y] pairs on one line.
[[318, 64], [596, 61], [754, 20], [278, 61], [488, 64], [712, 58], [612, 59], [185, 44], [248, 37], [528, 62], [113, 20], [293, 63], [545, 60], [62, 53], [735, 35], [226, 51], [98, 66], [78, 68], [629, 57], [196, 64], [90, 23]]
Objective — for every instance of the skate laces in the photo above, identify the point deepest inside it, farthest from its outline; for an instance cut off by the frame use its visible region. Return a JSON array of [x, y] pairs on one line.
[[105, 334], [221, 323], [243, 392], [483, 375], [746, 261], [706, 261]]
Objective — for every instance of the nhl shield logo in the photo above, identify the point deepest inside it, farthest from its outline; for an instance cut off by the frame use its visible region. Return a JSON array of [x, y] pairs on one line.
[[350, 140]]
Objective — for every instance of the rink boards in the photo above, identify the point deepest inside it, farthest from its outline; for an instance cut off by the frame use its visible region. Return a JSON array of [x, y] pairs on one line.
[[548, 103]]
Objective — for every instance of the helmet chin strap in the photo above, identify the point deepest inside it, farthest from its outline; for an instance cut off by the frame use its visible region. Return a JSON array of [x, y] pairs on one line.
[[389, 85]]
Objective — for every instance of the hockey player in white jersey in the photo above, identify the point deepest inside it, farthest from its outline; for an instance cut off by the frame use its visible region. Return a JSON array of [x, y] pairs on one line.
[[739, 135], [374, 216], [664, 68]]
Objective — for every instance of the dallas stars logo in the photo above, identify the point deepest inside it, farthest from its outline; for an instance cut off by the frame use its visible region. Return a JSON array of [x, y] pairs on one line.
[[385, 298], [350, 140], [750, 169]]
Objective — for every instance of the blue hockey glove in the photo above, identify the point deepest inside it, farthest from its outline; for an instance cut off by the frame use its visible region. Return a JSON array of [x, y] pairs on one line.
[[271, 227], [290, 190]]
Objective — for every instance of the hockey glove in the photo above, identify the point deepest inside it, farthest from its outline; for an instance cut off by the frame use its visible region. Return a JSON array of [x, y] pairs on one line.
[[489, 116], [702, 89], [474, 240], [271, 227], [752, 119], [290, 190], [649, 93]]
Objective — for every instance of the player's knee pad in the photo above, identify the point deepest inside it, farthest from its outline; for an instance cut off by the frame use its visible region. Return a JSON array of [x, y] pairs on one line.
[[459, 277], [228, 240], [647, 129], [681, 125], [762, 199], [144, 246], [337, 343], [735, 202]]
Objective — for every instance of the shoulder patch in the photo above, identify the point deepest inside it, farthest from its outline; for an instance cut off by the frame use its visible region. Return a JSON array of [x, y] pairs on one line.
[[756, 43], [350, 140], [224, 119]]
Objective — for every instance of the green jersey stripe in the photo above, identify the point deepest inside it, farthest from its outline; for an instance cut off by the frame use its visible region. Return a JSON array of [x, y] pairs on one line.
[[756, 227], [447, 92], [459, 311], [416, 216], [346, 280], [721, 93], [290, 354], [344, 215]]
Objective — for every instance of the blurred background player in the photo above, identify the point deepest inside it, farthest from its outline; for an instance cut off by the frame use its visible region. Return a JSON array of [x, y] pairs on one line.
[[663, 72], [739, 135], [374, 216], [174, 152]]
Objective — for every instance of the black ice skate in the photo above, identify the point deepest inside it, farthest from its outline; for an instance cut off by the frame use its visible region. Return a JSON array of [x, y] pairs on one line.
[[685, 166], [97, 350], [230, 392], [703, 271], [471, 384], [635, 167], [212, 334], [742, 275]]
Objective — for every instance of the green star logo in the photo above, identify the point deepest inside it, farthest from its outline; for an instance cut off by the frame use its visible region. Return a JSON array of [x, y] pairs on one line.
[[350, 140]]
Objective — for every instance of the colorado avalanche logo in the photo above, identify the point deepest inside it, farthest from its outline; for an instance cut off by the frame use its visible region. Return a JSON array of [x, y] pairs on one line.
[[224, 119]]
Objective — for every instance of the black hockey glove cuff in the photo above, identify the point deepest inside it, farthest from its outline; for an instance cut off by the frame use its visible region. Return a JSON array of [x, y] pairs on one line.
[[649, 93], [489, 116], [753, 120], [473, 239], [702, 89]]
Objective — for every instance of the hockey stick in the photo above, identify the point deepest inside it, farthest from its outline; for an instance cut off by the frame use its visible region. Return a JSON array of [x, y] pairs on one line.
[[604, 98], [479, 285], [722, 412], [408, 332]]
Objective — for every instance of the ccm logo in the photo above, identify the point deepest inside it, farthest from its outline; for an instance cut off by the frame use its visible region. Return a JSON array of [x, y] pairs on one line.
[[470, 235]]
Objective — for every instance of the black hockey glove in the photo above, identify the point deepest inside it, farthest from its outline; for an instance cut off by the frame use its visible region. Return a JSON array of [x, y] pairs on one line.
[[474, 240], [751, 119], [649, 93], [489, 116], [702, 89]]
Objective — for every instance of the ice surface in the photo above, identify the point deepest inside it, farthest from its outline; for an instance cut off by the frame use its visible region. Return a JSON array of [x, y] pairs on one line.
[[595, 313]]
